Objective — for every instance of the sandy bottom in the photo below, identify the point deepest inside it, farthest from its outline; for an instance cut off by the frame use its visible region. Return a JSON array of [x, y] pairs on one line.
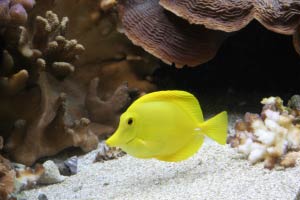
[[215, 172]]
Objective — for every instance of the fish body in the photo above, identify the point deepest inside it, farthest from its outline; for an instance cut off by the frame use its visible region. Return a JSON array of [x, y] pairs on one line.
[[166, 125]]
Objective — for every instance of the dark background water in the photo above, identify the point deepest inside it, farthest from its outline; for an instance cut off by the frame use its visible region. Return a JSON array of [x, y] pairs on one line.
[[251, 64]]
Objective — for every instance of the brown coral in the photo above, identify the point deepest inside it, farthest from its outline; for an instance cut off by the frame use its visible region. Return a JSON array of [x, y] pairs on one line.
[[47, 49], [13, 14], [55, 126], [53, 114], [187, 36], [290, 159], [27, 177], [296, 40], [108, 153], [14, 11], [48, 133], [1, 142], [166, 36], [279, 16], [107, 4], [7, 176], [56, 49], [106, 112]]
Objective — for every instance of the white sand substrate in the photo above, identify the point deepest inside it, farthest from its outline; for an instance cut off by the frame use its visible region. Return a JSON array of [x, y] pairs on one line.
[[215, 172]]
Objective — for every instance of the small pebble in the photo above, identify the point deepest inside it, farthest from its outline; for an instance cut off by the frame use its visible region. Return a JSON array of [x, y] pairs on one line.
[[51, 174], [105, 184], [77, 188], [72, 164], [42, 197]]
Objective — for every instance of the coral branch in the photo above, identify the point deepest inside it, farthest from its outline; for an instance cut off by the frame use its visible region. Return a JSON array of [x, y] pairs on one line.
[[57, 50], [41, 136], [14, 12], [106, 112]]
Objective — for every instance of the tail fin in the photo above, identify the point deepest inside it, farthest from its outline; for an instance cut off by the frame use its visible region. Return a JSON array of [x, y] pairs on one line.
[[216, 127]]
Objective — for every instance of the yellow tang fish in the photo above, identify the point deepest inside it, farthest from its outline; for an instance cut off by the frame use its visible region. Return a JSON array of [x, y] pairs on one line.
[[166, 125]]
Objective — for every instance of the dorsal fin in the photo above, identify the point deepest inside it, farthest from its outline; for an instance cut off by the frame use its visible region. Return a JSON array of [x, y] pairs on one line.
[[185, 100]]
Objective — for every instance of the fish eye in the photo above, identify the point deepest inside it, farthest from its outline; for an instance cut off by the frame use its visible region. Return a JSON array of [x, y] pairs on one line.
[[130, 121]]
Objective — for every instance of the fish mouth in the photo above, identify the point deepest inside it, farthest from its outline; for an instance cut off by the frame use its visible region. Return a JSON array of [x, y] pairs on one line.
[[129, 141]]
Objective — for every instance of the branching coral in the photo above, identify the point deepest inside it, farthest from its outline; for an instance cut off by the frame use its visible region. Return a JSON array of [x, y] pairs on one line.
[[107, 112], [109, 55], [56, 49], [47, 50], [55, 129], [14, 11], [13, 14], [49, 132], [43, 101], [273, 136]]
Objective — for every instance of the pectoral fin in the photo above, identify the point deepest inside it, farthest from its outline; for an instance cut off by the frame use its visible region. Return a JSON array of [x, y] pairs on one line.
[[143, 149], [190, 149]]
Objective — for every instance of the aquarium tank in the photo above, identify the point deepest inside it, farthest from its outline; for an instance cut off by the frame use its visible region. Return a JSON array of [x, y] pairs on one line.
[[149, 99]]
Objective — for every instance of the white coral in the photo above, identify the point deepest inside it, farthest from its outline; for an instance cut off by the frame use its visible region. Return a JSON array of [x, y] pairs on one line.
[[258, 124], [274, 126], [265, 136], [272, 138], [246, 147], [257, 153], [286, 120], [293, 137], [272, 115], [270, 100]]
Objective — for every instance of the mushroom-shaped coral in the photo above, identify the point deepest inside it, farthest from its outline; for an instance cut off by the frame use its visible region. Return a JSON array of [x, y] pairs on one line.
[[181, 31], [271, 135], [279, 16], [167, 36]]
